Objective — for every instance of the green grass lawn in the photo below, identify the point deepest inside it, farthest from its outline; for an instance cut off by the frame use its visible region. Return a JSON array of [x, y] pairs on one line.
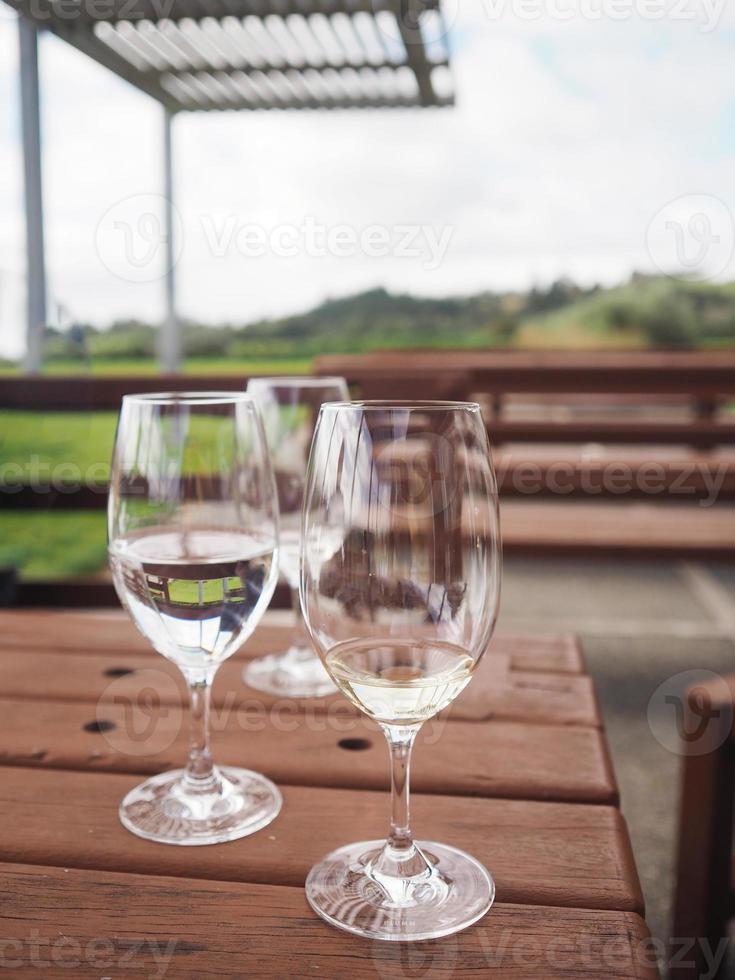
[[69, 446], [53, 448], [54, 544], [76, 447]]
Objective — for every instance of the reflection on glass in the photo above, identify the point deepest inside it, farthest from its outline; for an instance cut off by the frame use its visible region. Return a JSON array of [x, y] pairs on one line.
[[290, 407], [193, 549], [400, 588]]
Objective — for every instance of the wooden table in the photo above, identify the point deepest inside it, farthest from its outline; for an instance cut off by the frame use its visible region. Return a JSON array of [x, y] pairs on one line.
[[517, 772]]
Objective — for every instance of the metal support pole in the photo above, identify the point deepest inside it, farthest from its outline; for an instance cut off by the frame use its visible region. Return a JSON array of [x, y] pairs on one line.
[[170, 337], [31, 127]]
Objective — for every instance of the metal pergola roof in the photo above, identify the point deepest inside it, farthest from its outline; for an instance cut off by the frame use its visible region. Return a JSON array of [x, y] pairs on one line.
[[204, 55], [262, 54]]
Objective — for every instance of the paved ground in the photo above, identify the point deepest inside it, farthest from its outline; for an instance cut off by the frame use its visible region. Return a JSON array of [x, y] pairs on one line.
[[641, 624]]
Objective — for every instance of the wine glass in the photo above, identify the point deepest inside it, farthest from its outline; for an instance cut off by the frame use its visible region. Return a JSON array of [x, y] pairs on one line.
[[401, 610], [290, 407], [193, 526]]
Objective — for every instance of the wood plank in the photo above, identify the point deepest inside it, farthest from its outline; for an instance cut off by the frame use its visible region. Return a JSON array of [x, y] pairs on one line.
[[539, 853], [495, 759], [702, 373], [617, 530], [494, 692], [703, 434], [111, 631], [104, 923]]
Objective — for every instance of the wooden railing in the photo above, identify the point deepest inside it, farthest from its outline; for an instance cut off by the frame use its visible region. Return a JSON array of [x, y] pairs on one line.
[[696, 386], [703, 381]]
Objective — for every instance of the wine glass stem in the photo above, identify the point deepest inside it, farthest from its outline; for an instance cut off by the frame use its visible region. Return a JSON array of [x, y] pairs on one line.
[[200, 772], [400, 743], [301, 641], [399, 863]]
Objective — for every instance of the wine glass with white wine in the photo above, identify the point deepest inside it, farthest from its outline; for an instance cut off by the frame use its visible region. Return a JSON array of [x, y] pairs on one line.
[[193, 528], [401, 611], [290, 407]]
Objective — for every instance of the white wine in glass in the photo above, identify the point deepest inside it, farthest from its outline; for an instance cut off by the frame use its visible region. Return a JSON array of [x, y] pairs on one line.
[[290, 407], [193, 529], [400, 587]]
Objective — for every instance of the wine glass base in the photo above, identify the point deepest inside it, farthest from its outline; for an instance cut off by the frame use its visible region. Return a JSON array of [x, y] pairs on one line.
[[164, 809], [296, 673], [456, 893]]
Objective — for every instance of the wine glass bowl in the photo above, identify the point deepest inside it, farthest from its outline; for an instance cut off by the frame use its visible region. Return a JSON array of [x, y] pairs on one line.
[[290, 407], [400, 587], [193, 525]]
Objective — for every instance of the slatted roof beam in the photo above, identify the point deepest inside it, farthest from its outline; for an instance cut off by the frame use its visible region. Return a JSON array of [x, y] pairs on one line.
[[409, 24], [246, 69], [194, 60]]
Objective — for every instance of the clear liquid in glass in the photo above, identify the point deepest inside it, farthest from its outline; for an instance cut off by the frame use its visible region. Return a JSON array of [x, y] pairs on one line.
[[192, 593]]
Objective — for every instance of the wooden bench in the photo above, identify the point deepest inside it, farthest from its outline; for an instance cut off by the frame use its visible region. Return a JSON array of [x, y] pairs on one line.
[[692, 387], [540, 463], [524, 783]]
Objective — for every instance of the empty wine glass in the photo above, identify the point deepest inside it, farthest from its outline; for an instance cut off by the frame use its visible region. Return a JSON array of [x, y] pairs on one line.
[[290, 407], [401, 610], [193, 525]]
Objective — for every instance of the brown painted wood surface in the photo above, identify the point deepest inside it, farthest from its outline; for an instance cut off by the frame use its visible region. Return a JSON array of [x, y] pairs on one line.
[[107, 924], [496, 691], [540, 853], [111, 631], [301, 747], [519, 775]]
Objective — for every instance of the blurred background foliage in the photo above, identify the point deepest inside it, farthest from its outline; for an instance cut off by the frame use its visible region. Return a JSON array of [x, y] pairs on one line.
[[646, 312]]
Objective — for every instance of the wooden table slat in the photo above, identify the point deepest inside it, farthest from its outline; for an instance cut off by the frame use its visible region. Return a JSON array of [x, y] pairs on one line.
[[497, 758], [539, 853], [119, 924], [111, 631], [496, 691]]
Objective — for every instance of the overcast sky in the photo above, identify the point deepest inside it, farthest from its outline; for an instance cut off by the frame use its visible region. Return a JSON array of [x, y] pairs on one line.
[[571, 137]]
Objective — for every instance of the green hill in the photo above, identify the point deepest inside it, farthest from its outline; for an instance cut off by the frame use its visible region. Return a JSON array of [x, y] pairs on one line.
[[646, 312]]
